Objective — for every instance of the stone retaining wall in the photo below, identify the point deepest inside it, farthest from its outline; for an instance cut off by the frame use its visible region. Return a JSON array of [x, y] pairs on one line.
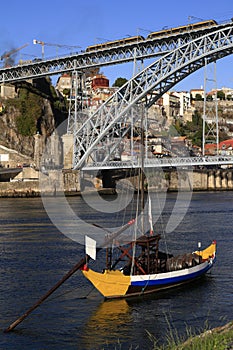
[[68, 182], [19, 189], [196, 180]]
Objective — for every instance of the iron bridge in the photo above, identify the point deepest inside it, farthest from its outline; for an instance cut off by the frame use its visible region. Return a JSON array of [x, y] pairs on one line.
[[166, 162], [128, 106], [81, 61], [177, 56]]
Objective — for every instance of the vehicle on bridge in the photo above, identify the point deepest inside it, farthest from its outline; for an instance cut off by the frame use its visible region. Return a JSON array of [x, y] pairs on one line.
[[115, 43], [153, 35], [182, 29]]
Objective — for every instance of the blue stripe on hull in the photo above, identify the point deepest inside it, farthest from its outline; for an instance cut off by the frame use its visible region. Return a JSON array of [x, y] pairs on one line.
[[170, 280]]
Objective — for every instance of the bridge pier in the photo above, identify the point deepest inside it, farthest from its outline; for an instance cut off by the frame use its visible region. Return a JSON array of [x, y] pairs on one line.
[[218, 180], [68, 146], [229, 179], [211, 180], [224, 180]]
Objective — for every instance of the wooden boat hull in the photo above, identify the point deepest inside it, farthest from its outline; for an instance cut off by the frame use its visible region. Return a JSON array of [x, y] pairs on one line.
[[114, 284]]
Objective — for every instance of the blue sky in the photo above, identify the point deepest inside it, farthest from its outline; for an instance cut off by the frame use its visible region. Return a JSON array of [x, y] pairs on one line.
[[82, 23]]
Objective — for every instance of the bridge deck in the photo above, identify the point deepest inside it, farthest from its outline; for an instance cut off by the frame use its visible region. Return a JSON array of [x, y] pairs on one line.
[[122, 53], [163, 163]]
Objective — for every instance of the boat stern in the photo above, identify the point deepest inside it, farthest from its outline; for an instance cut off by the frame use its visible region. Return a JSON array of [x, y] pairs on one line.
[[209, 252]]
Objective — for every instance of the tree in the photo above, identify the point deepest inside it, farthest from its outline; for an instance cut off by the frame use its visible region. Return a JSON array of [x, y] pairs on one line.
[[66, 92], [221, 95], [198, 97], [119, 82]]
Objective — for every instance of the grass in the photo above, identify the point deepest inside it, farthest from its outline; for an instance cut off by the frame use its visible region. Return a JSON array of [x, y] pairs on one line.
[[220, 338]]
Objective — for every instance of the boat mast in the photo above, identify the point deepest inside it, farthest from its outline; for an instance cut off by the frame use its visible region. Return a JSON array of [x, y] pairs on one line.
[[142, 175]]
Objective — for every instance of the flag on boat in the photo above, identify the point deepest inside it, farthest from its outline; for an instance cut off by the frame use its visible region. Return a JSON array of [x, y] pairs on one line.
[[150, 217], [90, 247]]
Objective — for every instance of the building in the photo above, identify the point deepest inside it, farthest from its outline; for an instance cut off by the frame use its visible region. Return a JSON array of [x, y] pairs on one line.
[[228, 92], [64, 83], [186, 110], [195, 92], [171, 104], [10, 158], [226, 147], [99, 91], [7, 91]]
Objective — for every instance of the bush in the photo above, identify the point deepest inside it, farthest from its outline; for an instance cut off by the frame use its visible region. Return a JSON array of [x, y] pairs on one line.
[[30, 106]]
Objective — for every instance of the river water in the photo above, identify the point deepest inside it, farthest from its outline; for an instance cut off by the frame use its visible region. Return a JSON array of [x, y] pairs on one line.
[[35, 255]]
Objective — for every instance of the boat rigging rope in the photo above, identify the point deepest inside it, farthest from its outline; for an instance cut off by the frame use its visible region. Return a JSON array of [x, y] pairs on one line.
[[125, 187], [135, 227], [162, 223], [71, 291], [144, 288]]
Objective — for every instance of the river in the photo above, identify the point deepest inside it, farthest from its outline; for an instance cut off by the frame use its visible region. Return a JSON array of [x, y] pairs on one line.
[[35, 255]]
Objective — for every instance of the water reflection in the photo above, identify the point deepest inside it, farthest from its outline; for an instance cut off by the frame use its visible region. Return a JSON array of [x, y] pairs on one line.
[[107, 323]]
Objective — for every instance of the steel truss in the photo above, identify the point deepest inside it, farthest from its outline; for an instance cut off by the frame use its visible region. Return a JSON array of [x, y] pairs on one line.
[[75, 118], [115, 116], [210, 132], [84, 60], [173, 162]]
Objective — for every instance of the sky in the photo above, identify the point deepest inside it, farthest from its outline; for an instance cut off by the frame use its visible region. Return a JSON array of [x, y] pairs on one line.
[[83, 23]]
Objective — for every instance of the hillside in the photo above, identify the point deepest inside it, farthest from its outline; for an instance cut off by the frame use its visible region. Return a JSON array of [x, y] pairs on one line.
[[37, 108]]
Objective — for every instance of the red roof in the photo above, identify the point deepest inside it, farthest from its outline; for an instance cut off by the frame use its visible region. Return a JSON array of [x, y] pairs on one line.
[[226, 143], [210, 146]]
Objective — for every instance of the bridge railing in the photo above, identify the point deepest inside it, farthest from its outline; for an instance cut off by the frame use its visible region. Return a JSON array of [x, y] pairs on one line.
[[162, 162]]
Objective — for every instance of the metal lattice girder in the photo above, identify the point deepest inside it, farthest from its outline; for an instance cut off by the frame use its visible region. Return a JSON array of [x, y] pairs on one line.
[[119, 54], [158, 77], [75, 119], [184, 162]]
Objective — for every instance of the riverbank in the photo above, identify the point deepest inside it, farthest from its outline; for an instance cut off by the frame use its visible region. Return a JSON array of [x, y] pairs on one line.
[[220, 338], [71, 183]]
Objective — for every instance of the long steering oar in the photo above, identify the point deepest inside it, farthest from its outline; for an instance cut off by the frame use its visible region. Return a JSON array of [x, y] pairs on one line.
[[78, 266]]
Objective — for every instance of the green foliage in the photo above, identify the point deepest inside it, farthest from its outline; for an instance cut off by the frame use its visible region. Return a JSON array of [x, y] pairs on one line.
[[198, 97], [221, 95], [172, 131], [30, 106], [119, 82], [219, 339], [66, 92], [193, 129]]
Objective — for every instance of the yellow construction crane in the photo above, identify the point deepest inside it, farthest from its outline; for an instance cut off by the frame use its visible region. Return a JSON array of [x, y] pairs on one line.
[[42, 43], [6, 56]]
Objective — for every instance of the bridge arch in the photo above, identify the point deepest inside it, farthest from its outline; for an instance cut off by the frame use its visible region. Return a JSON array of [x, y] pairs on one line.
[[149, 85]]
